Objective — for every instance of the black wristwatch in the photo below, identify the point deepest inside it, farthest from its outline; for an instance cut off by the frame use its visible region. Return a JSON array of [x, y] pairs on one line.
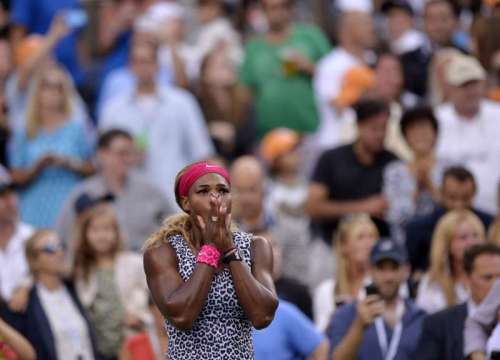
[[232, 255]]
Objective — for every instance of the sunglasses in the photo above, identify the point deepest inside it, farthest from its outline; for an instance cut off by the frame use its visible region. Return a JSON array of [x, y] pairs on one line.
[[50, 249]]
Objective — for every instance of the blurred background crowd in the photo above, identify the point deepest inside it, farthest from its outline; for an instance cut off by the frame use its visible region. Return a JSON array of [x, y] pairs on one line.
[[342, 122]]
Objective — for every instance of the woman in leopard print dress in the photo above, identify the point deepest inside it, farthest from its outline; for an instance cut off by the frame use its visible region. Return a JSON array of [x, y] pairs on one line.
[[211, 283]]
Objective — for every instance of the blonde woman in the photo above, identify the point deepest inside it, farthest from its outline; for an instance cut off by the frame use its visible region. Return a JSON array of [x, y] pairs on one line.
[[50, 156], [110, 282], [356, 236], [445, 283], [54, 322]]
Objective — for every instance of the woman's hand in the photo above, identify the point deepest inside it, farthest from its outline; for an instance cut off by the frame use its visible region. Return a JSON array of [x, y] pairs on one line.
[[19, 300], [216, 229]]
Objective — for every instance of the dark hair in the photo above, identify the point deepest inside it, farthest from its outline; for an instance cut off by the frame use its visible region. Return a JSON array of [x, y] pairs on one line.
[[472, 253], [459, 173], [369, 107], [418, 115], [107, 137], [383, 49]]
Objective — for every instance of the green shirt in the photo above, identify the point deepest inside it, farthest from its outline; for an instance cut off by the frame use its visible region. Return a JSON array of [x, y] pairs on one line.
[[284, 97]]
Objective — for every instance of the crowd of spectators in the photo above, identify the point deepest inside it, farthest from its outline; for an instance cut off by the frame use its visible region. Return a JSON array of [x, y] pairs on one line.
[[362, 138]]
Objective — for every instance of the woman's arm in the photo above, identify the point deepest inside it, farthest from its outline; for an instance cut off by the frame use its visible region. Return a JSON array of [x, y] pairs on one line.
[[57, 31], [17, 342], [83, 168], [180, 302], [254, 287], [23, 177]]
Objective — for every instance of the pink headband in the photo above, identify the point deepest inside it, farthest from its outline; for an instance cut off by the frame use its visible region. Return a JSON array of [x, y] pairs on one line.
[[196, 171]]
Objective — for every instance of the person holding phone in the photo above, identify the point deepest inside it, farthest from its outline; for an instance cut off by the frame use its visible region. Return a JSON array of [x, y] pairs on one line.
[[212, 284], [383, 326], [354, 240]]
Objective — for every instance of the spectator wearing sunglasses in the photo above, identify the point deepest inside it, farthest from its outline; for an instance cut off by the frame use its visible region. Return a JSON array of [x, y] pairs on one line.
[[54, 321]]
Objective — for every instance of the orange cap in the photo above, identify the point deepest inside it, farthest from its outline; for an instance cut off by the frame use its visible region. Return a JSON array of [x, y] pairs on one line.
[[278, 142], [27, 48], [355, 82]]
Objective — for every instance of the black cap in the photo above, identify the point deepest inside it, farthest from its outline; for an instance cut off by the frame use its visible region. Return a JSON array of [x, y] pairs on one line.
[[387, 249], [396, 4], [85, 201]]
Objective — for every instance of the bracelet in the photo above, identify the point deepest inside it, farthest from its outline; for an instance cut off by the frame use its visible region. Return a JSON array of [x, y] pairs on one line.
[[209, 255]]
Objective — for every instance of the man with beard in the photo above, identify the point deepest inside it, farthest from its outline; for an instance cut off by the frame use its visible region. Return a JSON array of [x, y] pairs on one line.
[[383, 325]]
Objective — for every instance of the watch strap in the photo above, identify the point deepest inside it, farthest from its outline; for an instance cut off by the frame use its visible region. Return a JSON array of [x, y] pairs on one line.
[[232, 255]]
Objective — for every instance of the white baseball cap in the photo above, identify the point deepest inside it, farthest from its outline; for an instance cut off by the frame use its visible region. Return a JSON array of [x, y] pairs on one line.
[[365, 6], [159, 13], [463, 69]]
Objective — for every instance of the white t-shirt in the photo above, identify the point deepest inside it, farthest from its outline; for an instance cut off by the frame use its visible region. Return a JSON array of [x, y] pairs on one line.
[[327, 83], [475, 144], [324, 302], [431, 298], [71, 336], [14, 271]]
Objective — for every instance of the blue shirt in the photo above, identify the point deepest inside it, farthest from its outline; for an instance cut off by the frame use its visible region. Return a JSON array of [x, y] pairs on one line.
[[290, 336], [36, 16], [42, 199], [370, 348]]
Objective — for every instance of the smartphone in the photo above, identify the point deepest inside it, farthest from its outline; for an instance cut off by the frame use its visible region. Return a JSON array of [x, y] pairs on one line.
[[75, 18], [371, 290]]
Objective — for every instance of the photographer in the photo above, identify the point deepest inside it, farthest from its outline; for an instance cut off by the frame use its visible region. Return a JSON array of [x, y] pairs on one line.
[[383, 325]]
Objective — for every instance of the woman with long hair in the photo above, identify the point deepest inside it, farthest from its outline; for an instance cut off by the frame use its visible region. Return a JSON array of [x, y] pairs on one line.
[[110, 282], [50, 156], [55, 322], [217, 95], [355, 237], [211, 283], [445, 283]]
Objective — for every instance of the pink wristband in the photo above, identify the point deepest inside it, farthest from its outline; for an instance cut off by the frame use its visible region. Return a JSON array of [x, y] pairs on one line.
[[209, 255]]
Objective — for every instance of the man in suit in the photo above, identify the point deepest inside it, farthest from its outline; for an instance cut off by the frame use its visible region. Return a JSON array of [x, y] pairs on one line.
[[442, 333], [458, 189]]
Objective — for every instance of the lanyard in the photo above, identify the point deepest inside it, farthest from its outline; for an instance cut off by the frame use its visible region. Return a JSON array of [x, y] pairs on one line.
[[389, 350]]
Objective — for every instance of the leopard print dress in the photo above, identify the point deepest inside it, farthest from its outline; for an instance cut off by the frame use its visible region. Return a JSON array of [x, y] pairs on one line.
[[221, 330]]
